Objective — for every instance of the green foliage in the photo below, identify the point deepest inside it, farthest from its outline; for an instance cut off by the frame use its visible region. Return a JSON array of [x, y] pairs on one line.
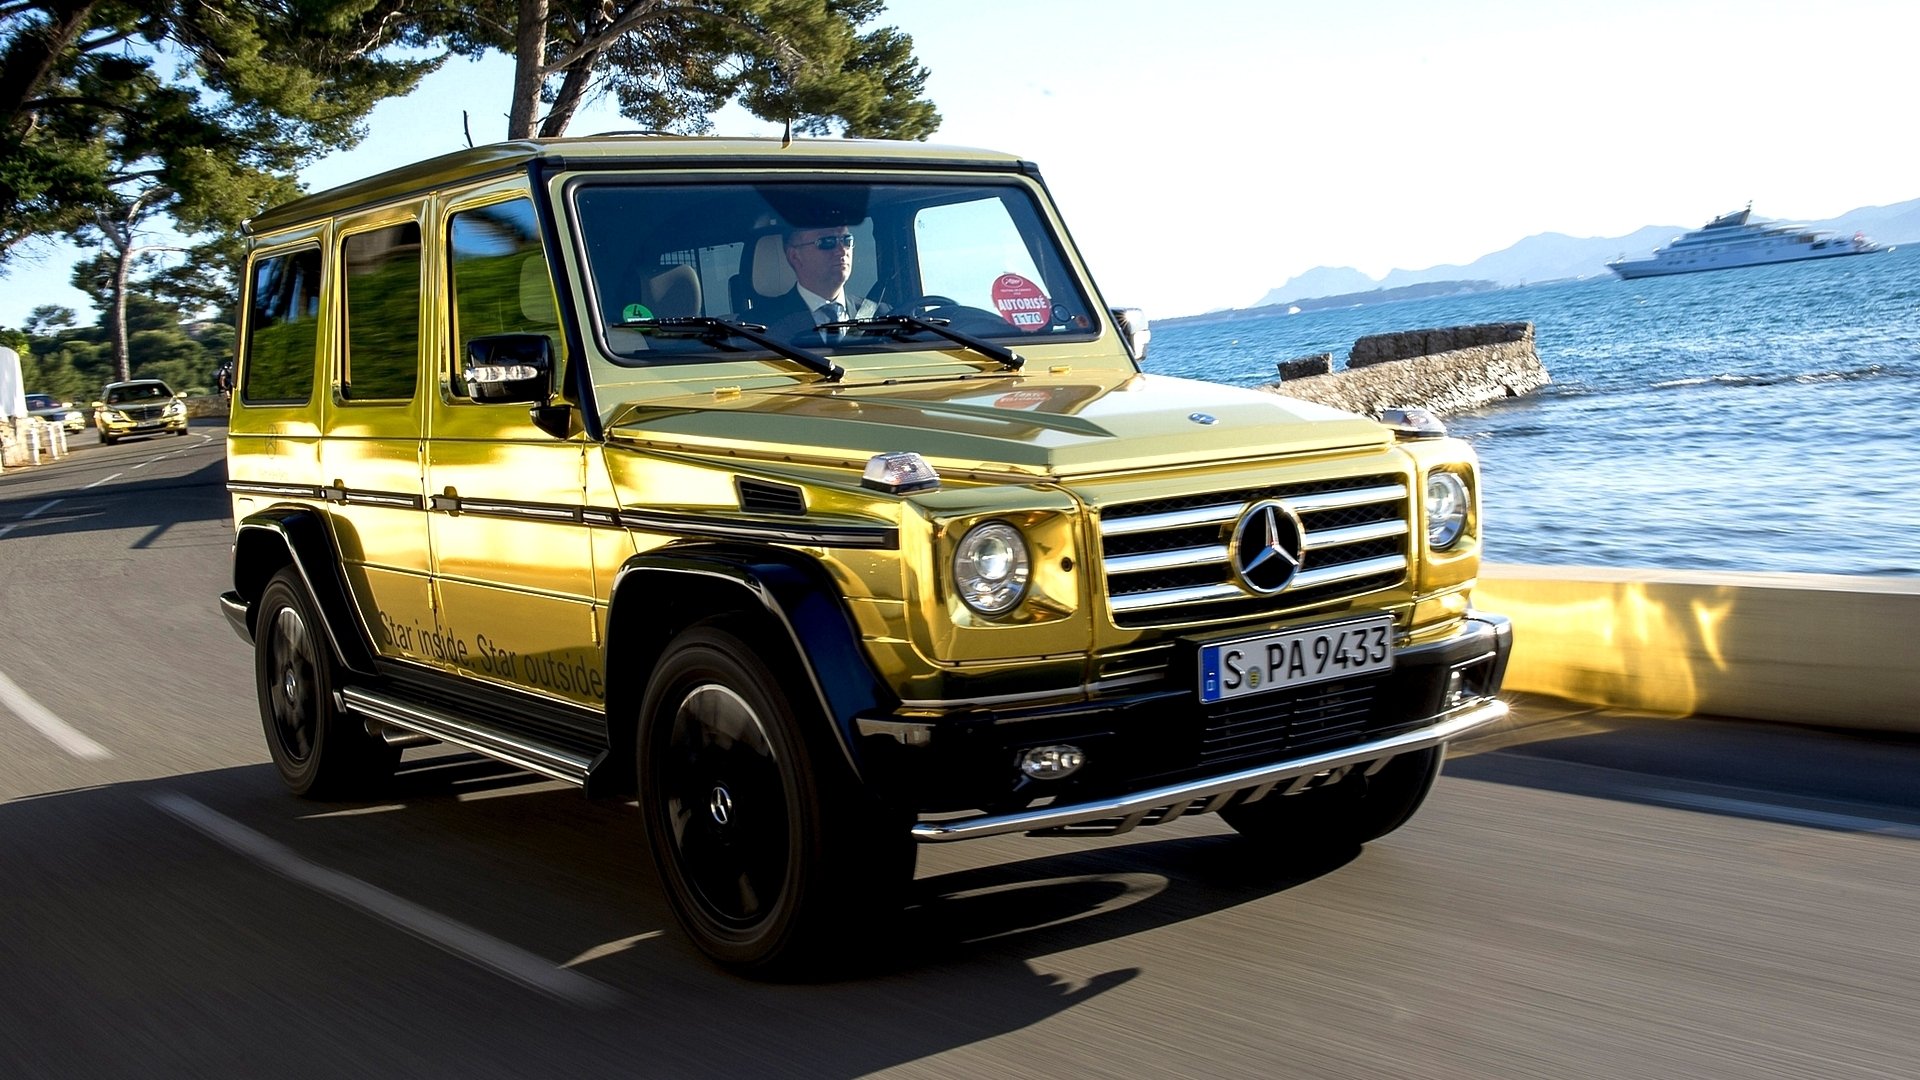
[[117, 116], [73, 363], [670, 64]]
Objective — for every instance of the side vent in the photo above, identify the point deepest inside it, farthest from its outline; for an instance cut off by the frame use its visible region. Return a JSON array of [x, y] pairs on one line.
[[761, 497]]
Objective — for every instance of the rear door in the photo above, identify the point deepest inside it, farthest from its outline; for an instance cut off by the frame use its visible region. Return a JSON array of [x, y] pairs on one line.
[[370, 450]]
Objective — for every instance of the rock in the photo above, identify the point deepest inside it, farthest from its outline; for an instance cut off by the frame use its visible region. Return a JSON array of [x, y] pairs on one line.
[[1302, 366], [1445, 369]]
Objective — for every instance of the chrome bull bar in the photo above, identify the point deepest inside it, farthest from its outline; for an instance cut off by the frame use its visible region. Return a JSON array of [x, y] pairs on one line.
[[1163, 804]]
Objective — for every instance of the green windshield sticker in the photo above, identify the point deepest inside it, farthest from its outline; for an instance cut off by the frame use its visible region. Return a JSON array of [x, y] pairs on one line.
[[635, 311]]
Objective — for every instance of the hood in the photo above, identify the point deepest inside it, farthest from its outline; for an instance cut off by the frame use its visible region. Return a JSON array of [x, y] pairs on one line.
[[1057, 426]]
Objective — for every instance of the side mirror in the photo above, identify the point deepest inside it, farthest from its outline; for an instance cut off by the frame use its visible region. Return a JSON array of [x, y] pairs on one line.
[[510, 367], [181, 394], [1133, 329], [99, 404]]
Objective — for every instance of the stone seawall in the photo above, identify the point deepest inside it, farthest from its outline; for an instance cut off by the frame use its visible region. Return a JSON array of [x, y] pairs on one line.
[[1800, 648], [1444, 369]]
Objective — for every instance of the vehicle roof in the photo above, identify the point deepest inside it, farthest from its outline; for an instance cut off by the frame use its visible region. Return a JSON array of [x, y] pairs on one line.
[[638, 148], [135, 382]]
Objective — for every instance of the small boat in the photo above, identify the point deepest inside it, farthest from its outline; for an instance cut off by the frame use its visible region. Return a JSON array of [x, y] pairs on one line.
[[1732, 240]]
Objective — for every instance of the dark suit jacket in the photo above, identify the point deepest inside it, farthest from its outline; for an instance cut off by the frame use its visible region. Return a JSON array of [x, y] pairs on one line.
[[788, 318]]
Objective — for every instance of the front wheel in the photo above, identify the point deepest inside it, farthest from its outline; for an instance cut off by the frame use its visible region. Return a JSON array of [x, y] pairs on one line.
[[319, 750], [1344, 815], [771, 855]]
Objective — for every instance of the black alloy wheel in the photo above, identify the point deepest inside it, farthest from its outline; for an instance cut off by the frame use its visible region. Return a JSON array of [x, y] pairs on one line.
[[769, 853], [319, 751]]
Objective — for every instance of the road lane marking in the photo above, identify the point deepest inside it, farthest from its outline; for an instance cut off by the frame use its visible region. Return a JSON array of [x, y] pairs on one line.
[[22, 705], [609, 948], [462, 941], [30, 515], [103, 480]]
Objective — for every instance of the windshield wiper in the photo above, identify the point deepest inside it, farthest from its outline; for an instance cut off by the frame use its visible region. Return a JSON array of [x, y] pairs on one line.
[[901, 325], [718, 330]]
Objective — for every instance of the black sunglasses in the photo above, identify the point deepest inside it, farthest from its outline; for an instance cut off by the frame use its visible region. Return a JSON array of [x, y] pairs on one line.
[[828, 243]]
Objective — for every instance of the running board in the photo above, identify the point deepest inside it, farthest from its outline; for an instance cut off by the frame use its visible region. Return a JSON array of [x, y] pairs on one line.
[[521, 753]]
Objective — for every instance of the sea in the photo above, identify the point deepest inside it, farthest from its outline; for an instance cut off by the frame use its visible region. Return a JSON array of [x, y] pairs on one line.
[[1759, 419]]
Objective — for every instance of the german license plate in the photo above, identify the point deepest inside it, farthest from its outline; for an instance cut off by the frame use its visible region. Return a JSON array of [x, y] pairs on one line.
[[1290, 658]]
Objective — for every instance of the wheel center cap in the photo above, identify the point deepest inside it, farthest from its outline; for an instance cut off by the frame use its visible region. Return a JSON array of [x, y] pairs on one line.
[[720, 805], [291, 685]]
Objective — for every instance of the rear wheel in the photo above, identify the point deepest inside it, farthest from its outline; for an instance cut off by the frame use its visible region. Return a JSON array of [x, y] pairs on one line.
[[320, 751], [771, 855], [1344, 815]]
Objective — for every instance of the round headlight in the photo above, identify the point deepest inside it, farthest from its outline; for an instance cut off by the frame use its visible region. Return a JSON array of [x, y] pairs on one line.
[[990, 568], [1446, 509]]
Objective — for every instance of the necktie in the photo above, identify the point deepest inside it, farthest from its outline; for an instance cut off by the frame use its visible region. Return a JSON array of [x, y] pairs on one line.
[[830, 312]]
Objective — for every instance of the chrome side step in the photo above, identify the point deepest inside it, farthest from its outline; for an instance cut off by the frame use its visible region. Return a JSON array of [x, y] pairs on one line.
[[521, 753], [1159, 805]]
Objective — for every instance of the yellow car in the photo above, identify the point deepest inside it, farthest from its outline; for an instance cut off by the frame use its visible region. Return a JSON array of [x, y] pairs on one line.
[[139, 407], [812, 495]]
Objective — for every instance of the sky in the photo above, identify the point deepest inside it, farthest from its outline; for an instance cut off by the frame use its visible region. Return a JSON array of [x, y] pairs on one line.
[[1205, 151]]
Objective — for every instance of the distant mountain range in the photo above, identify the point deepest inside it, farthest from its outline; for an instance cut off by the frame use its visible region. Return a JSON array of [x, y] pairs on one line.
[[1555, 256]]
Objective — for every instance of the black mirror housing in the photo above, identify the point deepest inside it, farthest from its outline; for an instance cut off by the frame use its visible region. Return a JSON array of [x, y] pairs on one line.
[[510, 367]]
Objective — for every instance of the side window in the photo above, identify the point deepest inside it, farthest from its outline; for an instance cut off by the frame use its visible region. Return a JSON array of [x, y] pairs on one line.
[[380, 290], [499, 279], [964, 247], [283, 326]]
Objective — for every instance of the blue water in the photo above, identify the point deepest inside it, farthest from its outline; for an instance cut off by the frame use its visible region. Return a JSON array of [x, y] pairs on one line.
[[1758, 419]]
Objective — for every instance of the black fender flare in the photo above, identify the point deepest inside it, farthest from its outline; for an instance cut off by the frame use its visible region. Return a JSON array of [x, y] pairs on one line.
[[789, 594], [297, 535]]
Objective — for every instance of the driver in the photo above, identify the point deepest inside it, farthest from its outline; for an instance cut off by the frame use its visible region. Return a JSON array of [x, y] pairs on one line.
[[822, 260]]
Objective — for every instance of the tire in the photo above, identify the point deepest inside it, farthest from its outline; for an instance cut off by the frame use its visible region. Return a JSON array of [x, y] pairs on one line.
[[770, 854], [320, 752], [1345, 815]]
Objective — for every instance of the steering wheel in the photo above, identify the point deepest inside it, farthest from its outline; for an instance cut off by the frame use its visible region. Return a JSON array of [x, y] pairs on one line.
[[926, 305]]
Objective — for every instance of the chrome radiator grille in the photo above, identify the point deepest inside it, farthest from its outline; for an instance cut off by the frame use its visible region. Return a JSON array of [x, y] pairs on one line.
[[1167, 560]]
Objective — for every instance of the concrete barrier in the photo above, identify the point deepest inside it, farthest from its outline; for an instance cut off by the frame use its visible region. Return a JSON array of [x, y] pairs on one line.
[[1809, 648]]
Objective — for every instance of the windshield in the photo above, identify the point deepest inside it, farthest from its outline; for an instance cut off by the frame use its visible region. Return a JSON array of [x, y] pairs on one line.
[[41, 401], [137, 392], [796, 256]]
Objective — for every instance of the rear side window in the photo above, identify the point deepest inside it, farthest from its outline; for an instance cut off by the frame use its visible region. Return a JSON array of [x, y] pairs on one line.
[[500, 279], [282, 328], [381, 298]]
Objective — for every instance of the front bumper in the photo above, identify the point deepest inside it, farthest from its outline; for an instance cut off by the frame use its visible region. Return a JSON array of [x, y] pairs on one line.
[[1157, 806], [1155, 756], [162, 426]]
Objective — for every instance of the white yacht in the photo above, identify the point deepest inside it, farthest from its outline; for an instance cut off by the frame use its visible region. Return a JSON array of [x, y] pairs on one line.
[[1731, 240]]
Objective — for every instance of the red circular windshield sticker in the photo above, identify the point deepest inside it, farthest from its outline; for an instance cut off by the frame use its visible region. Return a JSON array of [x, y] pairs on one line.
[[1020, 302]]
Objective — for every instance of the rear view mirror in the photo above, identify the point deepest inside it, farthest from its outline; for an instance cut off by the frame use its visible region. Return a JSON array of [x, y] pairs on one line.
[[1133, 331], [510, 367]]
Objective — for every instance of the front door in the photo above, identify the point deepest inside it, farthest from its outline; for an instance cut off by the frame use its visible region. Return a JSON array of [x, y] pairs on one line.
[[512, 556]]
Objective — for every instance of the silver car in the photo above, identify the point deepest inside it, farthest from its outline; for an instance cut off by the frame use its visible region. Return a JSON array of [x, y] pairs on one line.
[[45, 407]]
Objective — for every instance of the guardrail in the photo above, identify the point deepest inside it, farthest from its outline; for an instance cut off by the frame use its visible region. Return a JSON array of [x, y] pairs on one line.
[[1807, 648]]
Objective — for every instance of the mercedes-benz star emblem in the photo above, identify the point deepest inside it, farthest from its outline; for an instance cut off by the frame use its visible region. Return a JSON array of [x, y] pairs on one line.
[[720, 805], [1268, 545]]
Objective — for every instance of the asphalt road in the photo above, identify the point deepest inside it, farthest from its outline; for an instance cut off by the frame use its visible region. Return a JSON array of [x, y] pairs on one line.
[[1586, 894]]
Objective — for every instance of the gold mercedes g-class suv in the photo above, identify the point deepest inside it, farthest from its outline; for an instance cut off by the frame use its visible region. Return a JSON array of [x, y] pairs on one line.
[[810, 493]]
